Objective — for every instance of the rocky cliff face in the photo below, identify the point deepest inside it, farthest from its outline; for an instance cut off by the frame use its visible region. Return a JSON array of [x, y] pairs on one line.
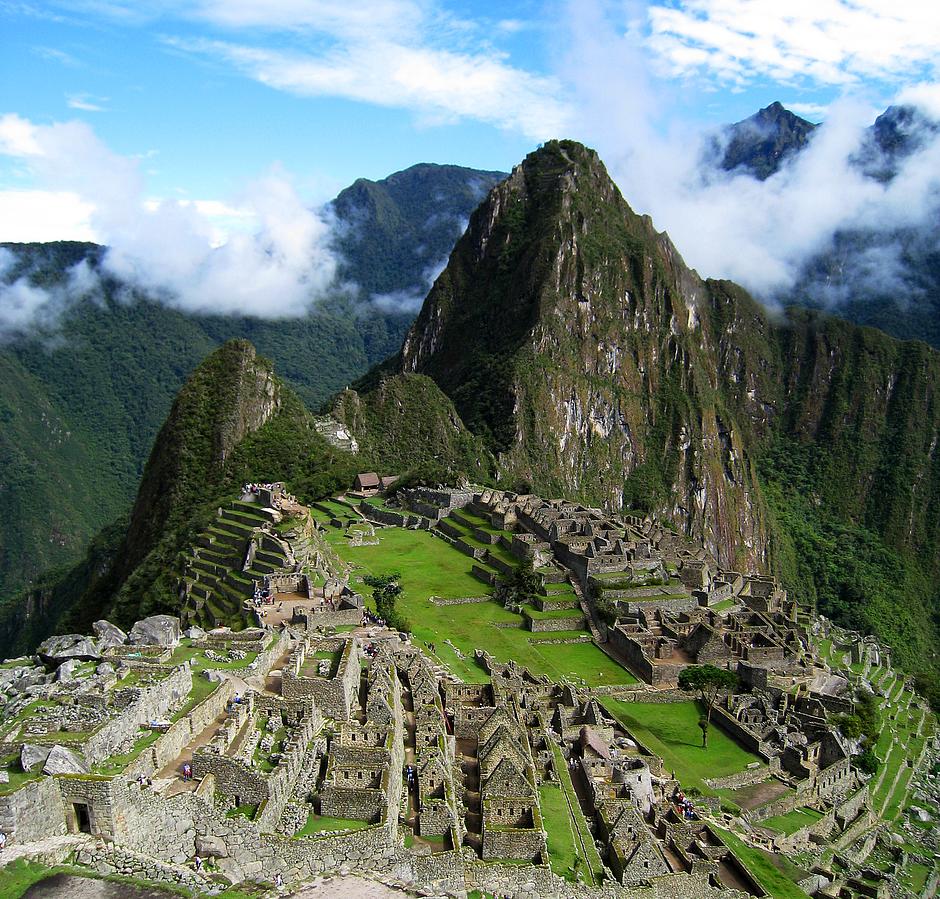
[[571, 335]]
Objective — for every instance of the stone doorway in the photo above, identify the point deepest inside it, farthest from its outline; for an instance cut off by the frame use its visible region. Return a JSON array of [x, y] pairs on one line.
[[81, 818]]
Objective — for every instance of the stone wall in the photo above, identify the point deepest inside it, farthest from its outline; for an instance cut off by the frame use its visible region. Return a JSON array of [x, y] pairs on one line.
[[153, 703], [104, 797], [33, 812], [522, 843], [334, 696], [169, 745], [572, 622], [743, 734]]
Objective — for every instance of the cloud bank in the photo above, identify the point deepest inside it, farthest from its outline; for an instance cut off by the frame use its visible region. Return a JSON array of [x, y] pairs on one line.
[[729, 225], [276, 266]]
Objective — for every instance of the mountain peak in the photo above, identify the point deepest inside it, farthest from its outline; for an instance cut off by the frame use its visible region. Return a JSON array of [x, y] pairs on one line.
[[761, 142]]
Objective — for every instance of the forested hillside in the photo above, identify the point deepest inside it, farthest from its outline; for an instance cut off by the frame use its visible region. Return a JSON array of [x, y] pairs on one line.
[[83, 396]]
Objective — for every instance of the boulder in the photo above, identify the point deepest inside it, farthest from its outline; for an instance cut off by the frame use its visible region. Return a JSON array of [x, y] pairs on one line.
[[32, 756], [108, 634], [105, 669], [194, 633], [66, 671], [211, 847], [56, 650], [158, 630], [64, 761]]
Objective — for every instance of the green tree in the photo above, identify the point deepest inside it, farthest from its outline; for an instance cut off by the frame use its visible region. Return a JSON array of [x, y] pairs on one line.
[[709, 682], [866, 761], [385, 591], [520, 587]]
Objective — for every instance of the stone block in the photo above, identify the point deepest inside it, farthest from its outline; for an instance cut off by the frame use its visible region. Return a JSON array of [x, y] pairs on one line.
[[158, 630], [63, 761], [55, 650], [108, 634], [32, 756]]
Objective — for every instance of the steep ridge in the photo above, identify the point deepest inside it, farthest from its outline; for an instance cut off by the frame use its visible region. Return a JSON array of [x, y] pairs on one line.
[[574, 341], [569, 334]]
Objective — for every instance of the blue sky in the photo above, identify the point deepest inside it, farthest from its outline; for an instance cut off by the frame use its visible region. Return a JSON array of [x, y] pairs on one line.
[[120, 121]]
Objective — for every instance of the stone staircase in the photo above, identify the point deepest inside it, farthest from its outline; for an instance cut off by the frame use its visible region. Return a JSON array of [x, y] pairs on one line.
[[228, 558]]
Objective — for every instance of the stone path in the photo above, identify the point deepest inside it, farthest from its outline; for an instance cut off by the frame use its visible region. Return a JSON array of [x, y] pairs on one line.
[[346, 888], [49, 851]]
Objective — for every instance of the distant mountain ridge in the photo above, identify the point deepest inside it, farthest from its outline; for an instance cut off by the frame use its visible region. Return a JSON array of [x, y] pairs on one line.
[[761, 143], [887, 278], [81, 403]]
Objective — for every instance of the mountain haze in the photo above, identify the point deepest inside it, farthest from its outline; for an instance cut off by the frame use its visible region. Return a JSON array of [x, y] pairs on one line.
[[83, 396]]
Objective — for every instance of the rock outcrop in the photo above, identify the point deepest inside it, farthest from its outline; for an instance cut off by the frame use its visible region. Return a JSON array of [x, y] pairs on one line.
[[158, 630], [56, 650]]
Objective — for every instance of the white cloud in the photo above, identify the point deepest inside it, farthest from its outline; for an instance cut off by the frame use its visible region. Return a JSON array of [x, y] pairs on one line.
[[808, 110], [264, 254], [41, 215], [926, 96], [438, 85], [835, 42], [86, 103], [758, 233]]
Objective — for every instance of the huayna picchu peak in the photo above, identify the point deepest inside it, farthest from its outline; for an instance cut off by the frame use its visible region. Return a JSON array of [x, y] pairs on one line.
[[609, 584]]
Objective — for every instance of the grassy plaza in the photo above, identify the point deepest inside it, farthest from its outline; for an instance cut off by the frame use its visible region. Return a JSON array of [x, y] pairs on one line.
[[431, 567], [670, 729]]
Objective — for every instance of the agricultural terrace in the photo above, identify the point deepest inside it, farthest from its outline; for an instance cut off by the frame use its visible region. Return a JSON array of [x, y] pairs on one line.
[[670, 730], [431, 567]]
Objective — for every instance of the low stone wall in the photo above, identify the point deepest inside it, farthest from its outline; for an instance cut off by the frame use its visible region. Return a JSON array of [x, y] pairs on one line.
[[742, 734], [572, 622], [744, 778], [462, 601], [647, 695], [154, 703], [109, 859]]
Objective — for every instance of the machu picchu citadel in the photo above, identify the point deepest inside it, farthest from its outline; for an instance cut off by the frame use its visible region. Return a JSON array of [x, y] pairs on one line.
[[544, 749]]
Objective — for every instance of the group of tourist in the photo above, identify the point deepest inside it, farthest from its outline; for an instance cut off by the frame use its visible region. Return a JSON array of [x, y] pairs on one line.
[[255, 489], [264, 596], [683, 804], [371, 618], [411, 776]]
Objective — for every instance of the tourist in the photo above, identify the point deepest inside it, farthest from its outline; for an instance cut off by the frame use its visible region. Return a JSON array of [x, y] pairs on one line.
[[278, 881], [3, 841], [198, 864], [187, 771]]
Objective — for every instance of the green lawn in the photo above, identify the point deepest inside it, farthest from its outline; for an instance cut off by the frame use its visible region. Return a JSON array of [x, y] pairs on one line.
[[763, 869], [670, 729], [562, 845], [317, 823], [432, 567], [115, 764], [793, 821], [592, 869]]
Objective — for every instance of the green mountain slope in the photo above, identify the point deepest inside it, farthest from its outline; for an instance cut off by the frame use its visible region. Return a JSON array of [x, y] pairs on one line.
[[573, 340], [107, 373], [233, 421]]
